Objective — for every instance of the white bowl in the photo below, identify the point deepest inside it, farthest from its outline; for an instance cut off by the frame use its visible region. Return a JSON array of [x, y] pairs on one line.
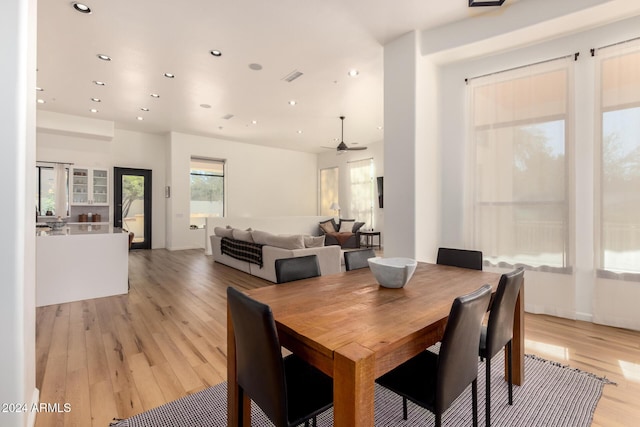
[[392, 272]]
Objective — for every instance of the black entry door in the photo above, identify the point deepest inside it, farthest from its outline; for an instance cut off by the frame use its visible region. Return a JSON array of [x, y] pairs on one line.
[[132, 204]]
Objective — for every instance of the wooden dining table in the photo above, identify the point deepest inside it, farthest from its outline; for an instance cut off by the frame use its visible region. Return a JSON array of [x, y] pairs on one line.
[[354, 330]]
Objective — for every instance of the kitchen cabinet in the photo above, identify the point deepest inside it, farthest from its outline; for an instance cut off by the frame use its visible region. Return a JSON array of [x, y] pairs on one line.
[[90, 186]]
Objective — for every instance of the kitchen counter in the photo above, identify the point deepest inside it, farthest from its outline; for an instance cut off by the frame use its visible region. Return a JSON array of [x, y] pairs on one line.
[[72, 229], [80, 261]]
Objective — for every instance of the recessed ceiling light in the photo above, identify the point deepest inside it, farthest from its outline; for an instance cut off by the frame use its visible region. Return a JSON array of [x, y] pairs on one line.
[[169, 75], [254, 122], [144, 109], [353, 73], [299, 131], [255, 67], [41, 101], [81, 7], [292, 102], [96, 99], [103, 57], [154, 95], [379, 127], [140, 118], [99, 83], [39, 89], [205, 105], [215, 52], [93, 110]]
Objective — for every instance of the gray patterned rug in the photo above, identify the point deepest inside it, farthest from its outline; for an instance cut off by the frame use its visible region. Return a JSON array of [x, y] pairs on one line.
[[553, 395]]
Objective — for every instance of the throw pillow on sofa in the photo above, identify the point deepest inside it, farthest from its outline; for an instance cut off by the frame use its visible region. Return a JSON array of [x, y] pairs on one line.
[[346, 225], [329, 226], [286, 242], [261, 237]]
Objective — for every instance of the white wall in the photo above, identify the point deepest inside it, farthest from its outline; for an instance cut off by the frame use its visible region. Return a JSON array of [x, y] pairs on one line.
[[578, 295], [330, 159], [18, 20], [127, 149], [260, 181]]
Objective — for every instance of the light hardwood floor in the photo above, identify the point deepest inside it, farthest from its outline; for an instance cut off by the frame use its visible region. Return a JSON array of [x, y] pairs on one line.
[[118, 356]]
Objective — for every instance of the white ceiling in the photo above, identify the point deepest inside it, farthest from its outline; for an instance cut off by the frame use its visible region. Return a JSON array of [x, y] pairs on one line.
[[147, 38]]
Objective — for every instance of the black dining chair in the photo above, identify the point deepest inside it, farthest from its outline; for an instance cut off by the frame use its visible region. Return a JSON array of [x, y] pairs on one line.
[[297, 268], [354, 260], [460, 258], [434, 381], [288, 390], [498, 332]]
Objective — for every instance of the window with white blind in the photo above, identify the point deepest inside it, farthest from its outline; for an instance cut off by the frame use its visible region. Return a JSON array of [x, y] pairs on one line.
[[518, 211], [618, 164], [329, 191], [362, 177], [207, 190]]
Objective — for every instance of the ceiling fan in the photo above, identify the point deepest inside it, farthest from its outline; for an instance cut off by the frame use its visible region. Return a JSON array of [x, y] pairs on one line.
[[342, 147]]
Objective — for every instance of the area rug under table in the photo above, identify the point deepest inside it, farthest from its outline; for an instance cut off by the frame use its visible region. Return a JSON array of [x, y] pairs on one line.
[[553, 395]]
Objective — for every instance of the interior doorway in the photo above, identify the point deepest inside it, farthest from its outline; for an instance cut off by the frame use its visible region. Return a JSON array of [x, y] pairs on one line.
[[132, 204]]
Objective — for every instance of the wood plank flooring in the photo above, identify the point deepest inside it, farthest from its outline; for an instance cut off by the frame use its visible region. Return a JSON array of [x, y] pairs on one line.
[[118, 356]]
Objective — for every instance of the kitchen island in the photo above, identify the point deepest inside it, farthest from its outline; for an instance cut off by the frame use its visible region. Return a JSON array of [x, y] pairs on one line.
[[80, 261]]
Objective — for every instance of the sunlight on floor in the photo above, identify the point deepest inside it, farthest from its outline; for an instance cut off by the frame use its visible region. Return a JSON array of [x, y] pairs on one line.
[[631, 371], [543, 349]]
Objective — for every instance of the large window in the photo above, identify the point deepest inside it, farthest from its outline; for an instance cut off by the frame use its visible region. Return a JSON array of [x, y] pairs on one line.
[[618, 198], [48, 187], [362, 177], [207, 190], [518, 212], [329, 194]]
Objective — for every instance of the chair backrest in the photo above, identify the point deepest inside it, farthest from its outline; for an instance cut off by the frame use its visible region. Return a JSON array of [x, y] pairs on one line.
[[458, 358], [500, 324], [260, 367], [460, 258], [354, 260], [297, 268]]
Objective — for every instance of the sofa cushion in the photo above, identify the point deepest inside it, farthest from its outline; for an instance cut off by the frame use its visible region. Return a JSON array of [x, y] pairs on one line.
[[223, 232], [313, 241], [294, 241], [346, 225], [329, 226], [244, 235], [261, 237]]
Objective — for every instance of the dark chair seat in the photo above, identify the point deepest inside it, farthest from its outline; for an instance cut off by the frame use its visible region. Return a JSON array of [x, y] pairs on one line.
[[460, 258], [289, 391], [297, 268], [354, 260], [434, 381]]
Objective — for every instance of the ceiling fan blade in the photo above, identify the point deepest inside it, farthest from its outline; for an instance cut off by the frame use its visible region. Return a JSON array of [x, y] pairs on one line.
[[356, 148]]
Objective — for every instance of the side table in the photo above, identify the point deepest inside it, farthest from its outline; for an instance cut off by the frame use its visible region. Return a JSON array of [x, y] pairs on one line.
[[369, 235]]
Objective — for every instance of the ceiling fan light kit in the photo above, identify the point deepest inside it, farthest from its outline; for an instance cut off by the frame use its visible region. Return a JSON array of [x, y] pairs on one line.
[[342, 147], [481, 3]]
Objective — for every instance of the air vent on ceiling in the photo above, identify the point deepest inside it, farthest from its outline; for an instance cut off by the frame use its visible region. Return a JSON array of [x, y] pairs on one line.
[[292, 76], [227, 116]]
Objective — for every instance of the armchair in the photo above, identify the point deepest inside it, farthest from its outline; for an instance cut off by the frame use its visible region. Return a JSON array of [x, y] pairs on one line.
[[345, 234]]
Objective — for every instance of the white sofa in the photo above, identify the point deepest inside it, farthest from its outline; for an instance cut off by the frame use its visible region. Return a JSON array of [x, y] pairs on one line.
[[329, 257]]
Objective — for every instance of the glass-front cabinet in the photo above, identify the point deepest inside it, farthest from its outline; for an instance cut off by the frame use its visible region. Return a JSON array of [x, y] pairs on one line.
[[90, 186]]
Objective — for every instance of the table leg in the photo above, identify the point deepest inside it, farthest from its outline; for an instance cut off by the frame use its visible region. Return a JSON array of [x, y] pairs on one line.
[[233, 395], [353, 386], [518, 341]]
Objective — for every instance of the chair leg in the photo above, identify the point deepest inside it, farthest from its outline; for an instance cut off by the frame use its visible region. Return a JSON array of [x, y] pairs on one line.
[[474, 400], [404, 408], [488, 392], [510, 371], [438, 420]]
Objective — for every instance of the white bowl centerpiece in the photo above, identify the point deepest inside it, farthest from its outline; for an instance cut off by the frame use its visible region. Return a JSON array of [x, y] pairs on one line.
[[392, 272]]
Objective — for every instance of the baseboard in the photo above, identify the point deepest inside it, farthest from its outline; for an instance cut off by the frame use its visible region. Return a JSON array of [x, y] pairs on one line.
[[586, 317], [35, 400]]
